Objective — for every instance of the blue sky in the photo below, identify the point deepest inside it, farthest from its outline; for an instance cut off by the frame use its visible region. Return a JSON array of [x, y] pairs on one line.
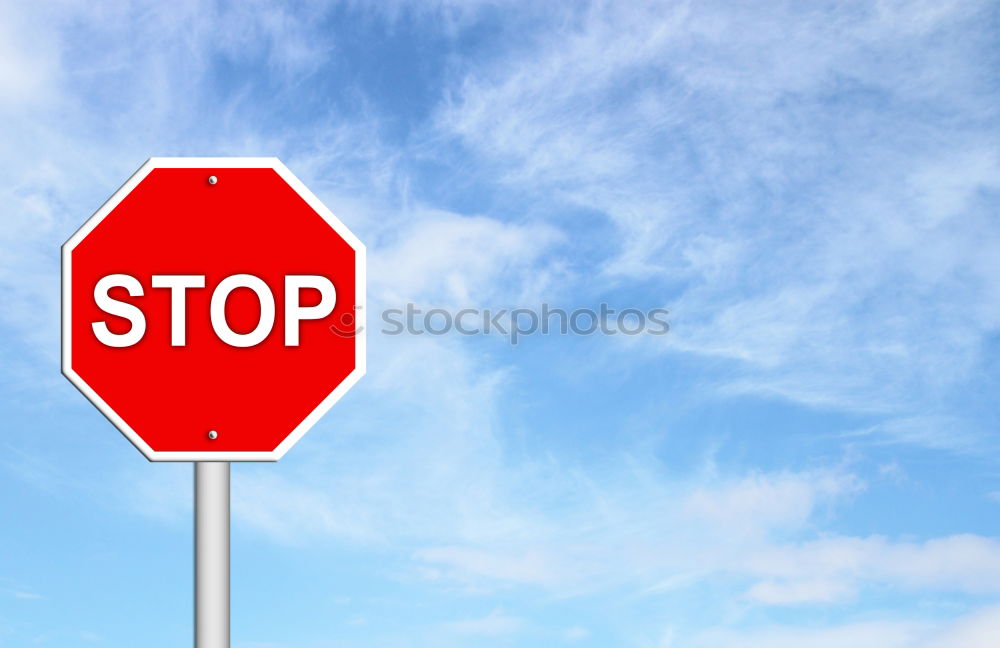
[[809, 457]]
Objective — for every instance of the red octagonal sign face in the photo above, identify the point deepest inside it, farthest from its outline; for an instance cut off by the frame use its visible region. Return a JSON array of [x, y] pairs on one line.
[[213, 309]]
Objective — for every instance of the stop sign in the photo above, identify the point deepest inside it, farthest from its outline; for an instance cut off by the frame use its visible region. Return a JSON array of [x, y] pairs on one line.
[[213, 309]]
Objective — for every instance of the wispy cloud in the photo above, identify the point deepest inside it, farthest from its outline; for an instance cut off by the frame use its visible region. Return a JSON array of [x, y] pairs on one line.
[[496, 623], [802, 591], [658, 536], [975, 630], [785, 168], [27, 596]]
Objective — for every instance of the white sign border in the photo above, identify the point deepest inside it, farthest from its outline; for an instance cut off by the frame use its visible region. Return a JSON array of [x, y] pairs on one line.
[[214, 163]]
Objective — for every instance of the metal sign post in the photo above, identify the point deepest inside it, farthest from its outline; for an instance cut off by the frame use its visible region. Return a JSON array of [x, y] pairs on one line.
[[211, 554]]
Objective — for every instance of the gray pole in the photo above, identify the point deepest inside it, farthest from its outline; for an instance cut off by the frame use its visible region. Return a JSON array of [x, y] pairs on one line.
[[211, 554]]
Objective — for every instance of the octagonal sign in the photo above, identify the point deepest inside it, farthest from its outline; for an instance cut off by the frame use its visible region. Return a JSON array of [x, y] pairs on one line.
[[213, 309]]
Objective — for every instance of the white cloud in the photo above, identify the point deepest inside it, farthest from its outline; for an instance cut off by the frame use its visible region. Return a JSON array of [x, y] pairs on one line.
[[28, 61], [938, 432], [483, 523], [460, 261], [764, 502], [966, 563], [875, 634], [466, 564], [783, 166], [28, 596], [667, 548], [978, 629], [496, 623], [803, 591], [631, 530]]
